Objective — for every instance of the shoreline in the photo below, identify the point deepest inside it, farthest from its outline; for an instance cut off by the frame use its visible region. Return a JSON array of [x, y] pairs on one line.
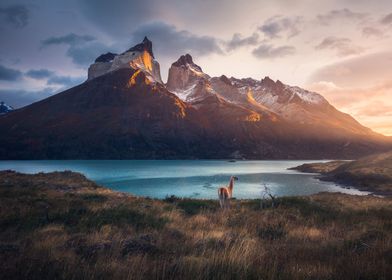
[[341, 187], [316, 175], [366, 174], [61, 223]]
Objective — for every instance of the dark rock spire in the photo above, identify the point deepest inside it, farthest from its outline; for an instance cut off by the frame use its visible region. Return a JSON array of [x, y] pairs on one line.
[[146, 45]]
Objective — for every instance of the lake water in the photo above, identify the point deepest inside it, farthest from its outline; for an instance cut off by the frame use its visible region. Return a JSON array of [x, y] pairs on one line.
[[188, 178]]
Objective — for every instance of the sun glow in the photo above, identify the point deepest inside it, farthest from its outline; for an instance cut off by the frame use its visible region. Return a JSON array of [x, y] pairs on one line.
[[132, 80], [147, 60], [253, 118]]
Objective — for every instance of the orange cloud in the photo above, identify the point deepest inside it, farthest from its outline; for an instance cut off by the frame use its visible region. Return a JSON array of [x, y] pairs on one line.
[[371, 106], [360, 86]]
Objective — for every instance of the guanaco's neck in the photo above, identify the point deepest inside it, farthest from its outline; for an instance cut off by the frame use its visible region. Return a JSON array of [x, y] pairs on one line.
[[231, 184]]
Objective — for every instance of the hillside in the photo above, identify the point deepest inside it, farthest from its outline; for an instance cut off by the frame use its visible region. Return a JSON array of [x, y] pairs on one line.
[[373, 173], [61, 225]]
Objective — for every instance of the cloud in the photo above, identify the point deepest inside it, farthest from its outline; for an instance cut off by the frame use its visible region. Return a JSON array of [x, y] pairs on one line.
[[87, 53], [277, 25], [267, 51], [359, 71], [361, 86], [168, 40], [343, 46], [117, 18], [65, 81], [54, 83], [39, 74], [370, 31], [376, 108], [9, 74], [238, 41], [53, 79], [387, 19], [16, 15], [82, 49], [342, 14], [369, 105], [364, 101], [20, 98], [71, 39], [341, 97]]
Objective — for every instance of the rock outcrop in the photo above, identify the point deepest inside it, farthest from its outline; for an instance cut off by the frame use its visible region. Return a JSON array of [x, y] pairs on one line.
[[137, 57]]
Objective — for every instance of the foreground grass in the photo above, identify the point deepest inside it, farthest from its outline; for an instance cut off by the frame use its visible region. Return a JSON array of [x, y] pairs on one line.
[[62, 226]]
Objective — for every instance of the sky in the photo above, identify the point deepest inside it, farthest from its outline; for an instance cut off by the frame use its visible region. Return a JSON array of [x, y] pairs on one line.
[[338, 48]]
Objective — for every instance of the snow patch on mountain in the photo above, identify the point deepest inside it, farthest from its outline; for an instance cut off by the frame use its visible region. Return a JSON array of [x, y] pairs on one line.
[[186, 94], [4, 108], [262, 96], [307, 96]]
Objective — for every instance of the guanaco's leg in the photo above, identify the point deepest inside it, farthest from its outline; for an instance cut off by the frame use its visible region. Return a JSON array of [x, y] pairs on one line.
[[221, 199]]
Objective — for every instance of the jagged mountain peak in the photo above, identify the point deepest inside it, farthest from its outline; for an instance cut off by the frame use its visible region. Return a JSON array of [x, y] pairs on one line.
[[187, 61], [145, 45], [269, 83], [243, 82], [183, 60], [139, 56], [185, 78], [224, 79], [267, 79], [4, 108]]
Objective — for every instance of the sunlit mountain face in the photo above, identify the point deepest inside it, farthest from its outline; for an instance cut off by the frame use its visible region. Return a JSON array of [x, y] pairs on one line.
[[339, 49], [124, 110]]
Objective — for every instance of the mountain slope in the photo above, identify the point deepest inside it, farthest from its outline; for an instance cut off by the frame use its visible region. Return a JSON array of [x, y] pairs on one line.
[[124, 111], [100, 118], [118, 115]]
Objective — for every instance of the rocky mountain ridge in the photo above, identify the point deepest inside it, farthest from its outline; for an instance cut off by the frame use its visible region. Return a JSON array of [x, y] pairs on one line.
[[125, 111]]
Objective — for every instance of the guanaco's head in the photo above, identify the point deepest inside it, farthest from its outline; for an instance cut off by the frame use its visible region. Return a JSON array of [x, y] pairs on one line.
[[235, 178]]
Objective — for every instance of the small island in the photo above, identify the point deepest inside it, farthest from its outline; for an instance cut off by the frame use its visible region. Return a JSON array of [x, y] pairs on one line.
[[51, 223]]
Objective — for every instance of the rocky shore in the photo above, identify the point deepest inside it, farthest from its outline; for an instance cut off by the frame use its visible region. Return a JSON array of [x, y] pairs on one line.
[[372, 173]]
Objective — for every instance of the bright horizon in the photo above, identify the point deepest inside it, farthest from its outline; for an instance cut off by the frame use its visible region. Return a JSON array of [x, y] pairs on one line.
[[340, 49]]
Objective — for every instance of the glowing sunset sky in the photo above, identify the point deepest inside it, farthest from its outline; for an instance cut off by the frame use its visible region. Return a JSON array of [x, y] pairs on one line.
[[341, 49]]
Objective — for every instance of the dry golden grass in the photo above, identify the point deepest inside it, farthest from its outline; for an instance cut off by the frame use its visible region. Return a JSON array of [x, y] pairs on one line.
[[62, 226]]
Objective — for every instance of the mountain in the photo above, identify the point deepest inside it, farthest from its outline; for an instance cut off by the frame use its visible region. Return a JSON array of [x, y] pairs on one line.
[[4, 108], [125, 111], [293, 104], [138, 57]]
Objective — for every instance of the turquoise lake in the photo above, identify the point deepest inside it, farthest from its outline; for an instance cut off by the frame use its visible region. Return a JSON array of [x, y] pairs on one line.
[[189, 178]]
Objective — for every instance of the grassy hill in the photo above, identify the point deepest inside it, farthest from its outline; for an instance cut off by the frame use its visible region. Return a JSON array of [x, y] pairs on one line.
[[62, 226], [373, 173]]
